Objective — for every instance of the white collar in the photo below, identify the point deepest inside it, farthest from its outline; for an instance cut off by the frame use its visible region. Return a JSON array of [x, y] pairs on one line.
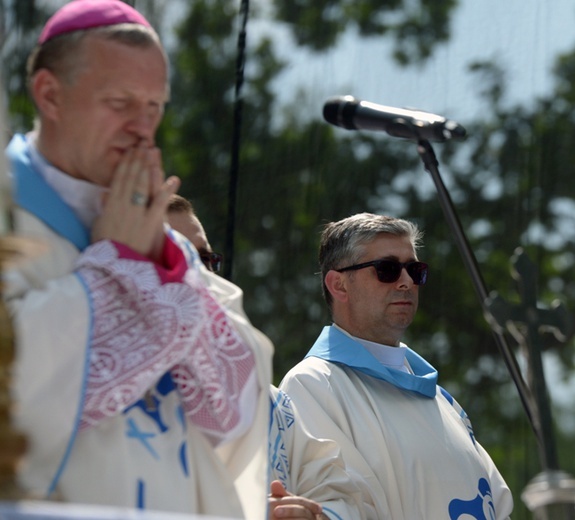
[[83, 197], [387, 355]]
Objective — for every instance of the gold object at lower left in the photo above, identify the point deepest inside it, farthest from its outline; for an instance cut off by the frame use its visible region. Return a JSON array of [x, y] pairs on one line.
[[12, 442]]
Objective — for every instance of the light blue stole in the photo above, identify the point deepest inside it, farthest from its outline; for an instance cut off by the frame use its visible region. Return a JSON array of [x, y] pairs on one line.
[[337, 347], [32, 193]]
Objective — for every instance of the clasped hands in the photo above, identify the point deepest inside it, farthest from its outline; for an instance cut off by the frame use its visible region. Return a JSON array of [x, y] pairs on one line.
[[135, 206]]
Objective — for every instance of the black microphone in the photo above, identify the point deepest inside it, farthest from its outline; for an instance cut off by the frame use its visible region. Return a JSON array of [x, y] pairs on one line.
[[352, 114]]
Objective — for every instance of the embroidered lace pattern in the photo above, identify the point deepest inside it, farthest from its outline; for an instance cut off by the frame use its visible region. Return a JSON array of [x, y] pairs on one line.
[[142, 328]]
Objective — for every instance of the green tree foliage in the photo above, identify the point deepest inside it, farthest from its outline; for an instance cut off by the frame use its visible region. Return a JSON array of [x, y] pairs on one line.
[[416, 26], [19, 30]]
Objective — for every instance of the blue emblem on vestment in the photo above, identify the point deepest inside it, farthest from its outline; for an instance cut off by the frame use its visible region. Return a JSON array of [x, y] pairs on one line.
[[480, 508]]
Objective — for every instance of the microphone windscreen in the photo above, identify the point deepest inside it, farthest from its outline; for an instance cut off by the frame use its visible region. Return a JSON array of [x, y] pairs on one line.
[[340, 111]]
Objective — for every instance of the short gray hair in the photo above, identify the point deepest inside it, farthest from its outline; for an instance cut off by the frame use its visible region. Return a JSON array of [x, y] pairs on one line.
[[342, 242]]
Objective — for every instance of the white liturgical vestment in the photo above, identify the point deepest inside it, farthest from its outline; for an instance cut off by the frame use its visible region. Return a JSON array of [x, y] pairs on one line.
[[406, 441]]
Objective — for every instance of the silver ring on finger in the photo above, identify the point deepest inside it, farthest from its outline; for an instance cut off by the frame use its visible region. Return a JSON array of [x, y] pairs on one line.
[[138, 199]]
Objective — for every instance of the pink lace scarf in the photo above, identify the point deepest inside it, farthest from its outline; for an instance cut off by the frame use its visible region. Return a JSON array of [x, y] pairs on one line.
[[148, 319]]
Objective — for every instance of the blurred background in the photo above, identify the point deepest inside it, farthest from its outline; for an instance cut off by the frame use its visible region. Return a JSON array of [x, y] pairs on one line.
[[244, 131]]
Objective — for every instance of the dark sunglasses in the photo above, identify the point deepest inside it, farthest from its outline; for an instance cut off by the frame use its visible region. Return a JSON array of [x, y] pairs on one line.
[[389, 271], [212, 261]]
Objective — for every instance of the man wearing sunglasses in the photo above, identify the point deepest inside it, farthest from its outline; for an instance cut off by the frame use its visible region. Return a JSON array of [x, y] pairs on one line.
[[182, 218], [406, 439]]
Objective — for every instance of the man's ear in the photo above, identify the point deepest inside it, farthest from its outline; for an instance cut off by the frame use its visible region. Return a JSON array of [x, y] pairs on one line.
[[336, 284], [46, 91]]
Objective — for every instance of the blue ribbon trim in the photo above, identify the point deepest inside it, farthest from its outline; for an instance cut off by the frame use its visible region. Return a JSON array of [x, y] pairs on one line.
[[32, 193], [337, 347]]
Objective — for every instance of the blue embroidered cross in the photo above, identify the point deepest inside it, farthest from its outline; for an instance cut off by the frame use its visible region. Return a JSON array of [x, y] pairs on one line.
[[135, 433]]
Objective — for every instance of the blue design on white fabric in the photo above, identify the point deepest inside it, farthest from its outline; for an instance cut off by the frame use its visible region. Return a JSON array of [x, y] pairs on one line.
[[281, 419], [184, 459], [330, 513], [151, 406], [462, 413], [180, 415], [447, 395], [184, 446], [479, 508], [133, 432], [164, 386], [141, 494], [32, 193], [151, 411], [337, 347]]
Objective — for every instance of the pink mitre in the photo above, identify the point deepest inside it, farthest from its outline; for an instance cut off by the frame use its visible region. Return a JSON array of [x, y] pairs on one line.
[[86, 14]]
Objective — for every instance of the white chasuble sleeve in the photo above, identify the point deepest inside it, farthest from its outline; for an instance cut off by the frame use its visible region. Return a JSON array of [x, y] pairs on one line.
[[308, 466], [246, 459], [49, 375]]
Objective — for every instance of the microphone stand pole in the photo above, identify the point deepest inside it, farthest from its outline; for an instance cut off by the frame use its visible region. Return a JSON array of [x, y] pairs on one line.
[[431, 165], [235, 153]]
